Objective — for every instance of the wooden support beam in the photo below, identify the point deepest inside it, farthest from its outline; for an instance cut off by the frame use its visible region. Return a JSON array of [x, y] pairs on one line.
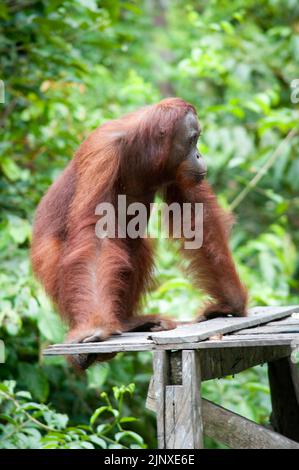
[[179, 420], [284, 385], [217, 363], [238, 432]]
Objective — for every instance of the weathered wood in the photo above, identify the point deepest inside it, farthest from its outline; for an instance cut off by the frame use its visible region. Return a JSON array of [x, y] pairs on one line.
[[141, 342], [204, 330], [236, 344], [228, 341], [217, 363], [183, 422], [233, 430], [220, 362], [238, 432], [160, 365], [270, 329], [150, 403], [231, 341], [292, 320], [122, 343], [284, 385], [179, 421]]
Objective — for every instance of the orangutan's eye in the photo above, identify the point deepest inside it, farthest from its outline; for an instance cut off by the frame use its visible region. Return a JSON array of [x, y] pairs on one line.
[[193, 139]]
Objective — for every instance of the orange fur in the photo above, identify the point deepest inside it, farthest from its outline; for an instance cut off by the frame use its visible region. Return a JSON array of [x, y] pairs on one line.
[[212, 265], [96, 284]]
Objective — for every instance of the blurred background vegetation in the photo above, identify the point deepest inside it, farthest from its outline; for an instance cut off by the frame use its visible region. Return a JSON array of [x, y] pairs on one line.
[[67, 67]]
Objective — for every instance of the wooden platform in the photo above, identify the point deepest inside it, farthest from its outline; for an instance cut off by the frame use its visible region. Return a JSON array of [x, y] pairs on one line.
[[264, 326], [192, 353]]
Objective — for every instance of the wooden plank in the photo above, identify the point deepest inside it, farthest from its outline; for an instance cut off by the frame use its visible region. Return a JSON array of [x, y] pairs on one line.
[[150, 403], [228, 341], [126, 342], [160, 367], [175, 417], [270, 329], [258, 339], [122, 339], [191, 376], [202, 331], [102, 345], [183, 422], [284, 385], [217, 363], [292, 320], [238, 432]]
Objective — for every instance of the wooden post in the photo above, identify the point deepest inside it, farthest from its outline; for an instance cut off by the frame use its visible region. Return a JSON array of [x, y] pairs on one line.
[[284, 385], [160, 366], [178, 405]]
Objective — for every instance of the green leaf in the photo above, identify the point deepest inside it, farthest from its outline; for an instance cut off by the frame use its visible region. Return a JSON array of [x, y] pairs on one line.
[[24, 394], [34, 379], [99, 441], [7, 418], [101, 410], [10, 169], [129, 434], [128, 419], [85, 445], [56, 420], [50, 326], [19, 229], [97, 375]]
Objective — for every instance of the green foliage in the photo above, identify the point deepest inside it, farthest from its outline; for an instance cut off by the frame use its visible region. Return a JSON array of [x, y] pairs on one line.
[[67, 67], [25, 424]]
